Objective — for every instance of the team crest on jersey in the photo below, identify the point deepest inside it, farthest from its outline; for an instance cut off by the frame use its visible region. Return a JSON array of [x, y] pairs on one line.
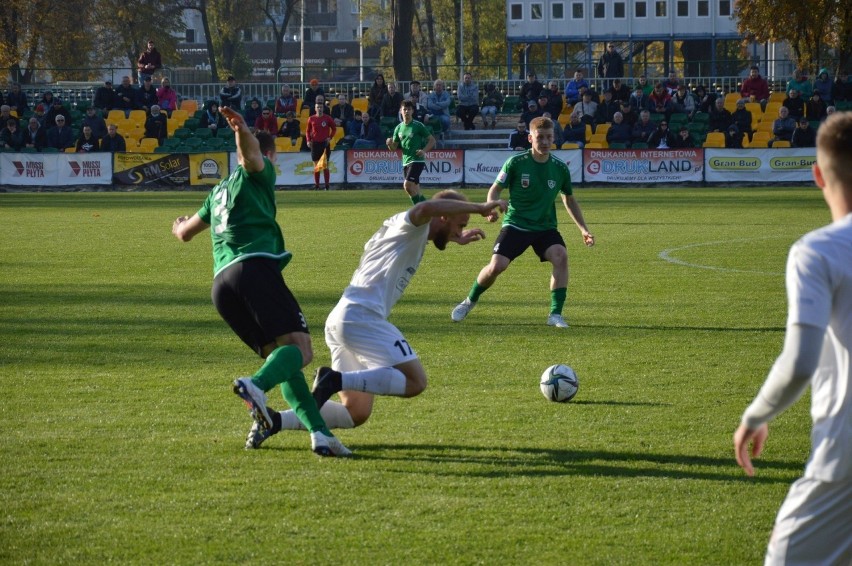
[[551, 184], [525, 180]]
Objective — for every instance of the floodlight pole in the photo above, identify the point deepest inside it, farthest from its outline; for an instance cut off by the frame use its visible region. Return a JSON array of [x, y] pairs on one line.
[[360, 43]]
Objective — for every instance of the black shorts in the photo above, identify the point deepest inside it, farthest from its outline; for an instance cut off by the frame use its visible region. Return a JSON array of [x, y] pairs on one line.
[[512, 242], [412, 171], [253, 299], [317, 149]]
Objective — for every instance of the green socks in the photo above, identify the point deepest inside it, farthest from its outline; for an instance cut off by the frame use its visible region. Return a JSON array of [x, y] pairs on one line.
[[298, 396], [557, 300], [279, 365], [418, 198], [476, 291]]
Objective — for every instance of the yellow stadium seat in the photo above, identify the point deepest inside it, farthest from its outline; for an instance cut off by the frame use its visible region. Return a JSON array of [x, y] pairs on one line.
[[588, 133], [360, 104], [570, 145], [190, 105], [764, 126], [113, 116], [772, 110], [602, 129], [715, 139], [148, 145], [179, 117], [731, 98], [780, 143], [564, 119], [777, 96], [72, 149], [285, 145], [755, 109], [599, 139], [138, 116], [594, 145], [760, 136]]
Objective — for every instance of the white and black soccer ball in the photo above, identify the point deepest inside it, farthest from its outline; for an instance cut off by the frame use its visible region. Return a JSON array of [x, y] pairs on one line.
[[559, 383]]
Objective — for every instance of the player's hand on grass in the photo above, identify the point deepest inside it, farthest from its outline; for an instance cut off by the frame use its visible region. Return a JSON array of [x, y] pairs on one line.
[[588, 239], [745, 438]]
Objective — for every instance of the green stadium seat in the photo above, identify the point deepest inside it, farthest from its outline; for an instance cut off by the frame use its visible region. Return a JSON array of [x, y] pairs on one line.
[[166, 149], [510, 104], [617, 145], [203, 133], [183, 133], [639, 145], [192, 123]]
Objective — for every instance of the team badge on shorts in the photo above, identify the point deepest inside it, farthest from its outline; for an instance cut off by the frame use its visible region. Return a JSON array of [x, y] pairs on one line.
[[525, 181]]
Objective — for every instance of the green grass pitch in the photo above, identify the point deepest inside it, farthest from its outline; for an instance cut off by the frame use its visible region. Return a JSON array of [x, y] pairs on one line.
[[121, 441]]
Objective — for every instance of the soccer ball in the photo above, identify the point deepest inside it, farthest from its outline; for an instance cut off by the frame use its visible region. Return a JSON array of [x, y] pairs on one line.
[[559, 383]]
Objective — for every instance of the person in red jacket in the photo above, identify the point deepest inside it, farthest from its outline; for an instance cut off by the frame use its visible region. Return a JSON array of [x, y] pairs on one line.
[[266, 122], [320, 130], [755, 87]]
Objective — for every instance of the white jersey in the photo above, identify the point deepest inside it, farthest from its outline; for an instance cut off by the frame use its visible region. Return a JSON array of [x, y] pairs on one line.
[[819, 291], [390, 259]]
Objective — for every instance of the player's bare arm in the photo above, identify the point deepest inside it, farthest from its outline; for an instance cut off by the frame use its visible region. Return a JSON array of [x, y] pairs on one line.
[[426, 210], [573, 208], [494, 195], [430, 144], [185, 228], [248, 149]]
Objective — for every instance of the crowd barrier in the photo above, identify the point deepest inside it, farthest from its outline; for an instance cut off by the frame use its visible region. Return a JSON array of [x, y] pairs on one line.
[[381, 167]]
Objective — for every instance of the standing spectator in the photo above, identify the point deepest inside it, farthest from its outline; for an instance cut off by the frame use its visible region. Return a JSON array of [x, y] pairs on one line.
[[619, 131], [318, 135], [575, 131], [813, 525], [803, 135], [231, 95], [800, 83], [290, 128], [126, 97], [148, 95], [212, 119], [369, 135], [671, 83], [35, 135], [606, 109], [683, 140], [519, 140], [620, 91], [720, 117], [843, 88], [822, 85], [572, 89], [286, 102], [683, 102], [113, 142], [415, 140], [149, 62], [704, 101], [492, 102], [660, 101], [734, 137], [610, 65], [11, 136], [755, 88], [438, 104], [60, 136], [783, 126], [57, 110], [468, 108], [643, 129], [741, 118], [391, 103], [104, 98], [313, 91], [639, 100], [343, 115], [815, 108], [376, 96], [156, 126], [266, 121], [94, 121], [167, 97], [254, 112], [795, 104], [662, 138], [17, 99], [530, 89], [87, 142]]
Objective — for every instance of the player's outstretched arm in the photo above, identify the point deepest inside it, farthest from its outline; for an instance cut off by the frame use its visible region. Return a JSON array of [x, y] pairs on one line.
[[425, 211], [248, 149], [185, 228], [576, 213]]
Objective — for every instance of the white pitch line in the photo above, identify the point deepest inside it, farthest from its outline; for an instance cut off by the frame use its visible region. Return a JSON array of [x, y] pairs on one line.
[[665, 255]]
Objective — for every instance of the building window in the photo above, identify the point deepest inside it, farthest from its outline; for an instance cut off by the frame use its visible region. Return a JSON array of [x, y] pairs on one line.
[[190, 35], [516, 12], [307, 34], [619, 10], [641, 9], [247, 34], [536, 12], [660, 8], [577, 11], [557, 10], [354, 4], [598, 10], [703, 8], [724, 7], [683, 8]]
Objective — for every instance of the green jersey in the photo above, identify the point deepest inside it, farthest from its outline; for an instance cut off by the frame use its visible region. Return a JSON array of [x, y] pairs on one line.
[[533, 188], [241, 213], [411, 138]]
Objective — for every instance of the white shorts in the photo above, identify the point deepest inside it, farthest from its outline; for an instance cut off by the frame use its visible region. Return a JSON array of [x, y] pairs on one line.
[[814, 525], [360, 339]]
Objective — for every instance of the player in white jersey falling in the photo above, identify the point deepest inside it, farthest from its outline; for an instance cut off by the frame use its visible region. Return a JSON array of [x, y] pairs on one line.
[[370, 356], [814, 524]]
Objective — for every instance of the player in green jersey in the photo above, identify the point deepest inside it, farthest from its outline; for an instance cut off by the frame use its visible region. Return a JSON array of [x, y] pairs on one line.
[[416, 140], [249, 290], [533, 178]]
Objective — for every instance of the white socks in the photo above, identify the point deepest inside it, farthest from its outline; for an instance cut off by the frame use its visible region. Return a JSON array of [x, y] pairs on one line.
[[380, 381], [333, 413]]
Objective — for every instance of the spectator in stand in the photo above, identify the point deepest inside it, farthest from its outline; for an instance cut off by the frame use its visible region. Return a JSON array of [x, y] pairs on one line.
[[530, 89], [630, 116], [683, 140], [843, 88], [800, 83], [167, 97], [647, 87], [558, 132], [113, 142], [17, 99], [94, 121], [126, 97], [343, 115], [47, 100], [11, 136], [619, 131], [290, 128], [104, 98], [519, 140], [6, 114], [157, 125], [468, 96], [639, 100], [38, 114], [391, 102], [266, 121], [795, 104], [783, 126], [60, 136], [606, 109], [822, 85], [555, 102], [575, 132], [231, 95], [671, 83], [683, 102], [734, 137], [830, 110], [254, 112], [416, 94], [803, 135], [531, 113], [286, 102], [35, 135], [212, 119], [376, 96], [87, 142], [149, 62], [660, 101], [438, 104], [742, 118], [720, 118], [543, 102], [704, 101], [620, 91], [57, 110], [313, 91], [662, 137], [610, 65], [572, 89], [586, 109], [643, 129], [815, 108], [369, 135], [148, 95], [492, 102], [755, 88]]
